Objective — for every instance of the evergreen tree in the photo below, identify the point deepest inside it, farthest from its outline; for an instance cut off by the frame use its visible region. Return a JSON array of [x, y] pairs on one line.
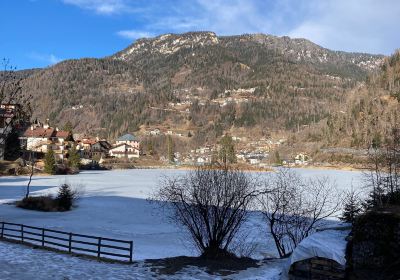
[[352, 207], [74, 160], [12, 146], [170, 149], [50, 162], [227, 150], [68, 126], [65, 197], [150, 148], [277, 159]]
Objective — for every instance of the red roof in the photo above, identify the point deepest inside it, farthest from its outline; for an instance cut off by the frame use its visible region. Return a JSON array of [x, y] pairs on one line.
[[39, 132], [62, 134], [89, 141]]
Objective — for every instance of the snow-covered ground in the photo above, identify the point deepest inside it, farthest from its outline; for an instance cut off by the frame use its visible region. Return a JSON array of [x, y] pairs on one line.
[[19, 262], [114, 205]]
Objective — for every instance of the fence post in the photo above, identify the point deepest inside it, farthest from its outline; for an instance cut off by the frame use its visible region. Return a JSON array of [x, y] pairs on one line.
[[22, 233], [2, 229], [130, 251], [99, 248], [42, 237], [70, 242]]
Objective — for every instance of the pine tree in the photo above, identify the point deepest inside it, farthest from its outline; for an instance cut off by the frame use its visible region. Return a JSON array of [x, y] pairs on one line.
[[150, 148], [278, 159], [68, 126], [50, 162], [74, 160], [227, 150], [170, 149], [65, 197], [352, 208]]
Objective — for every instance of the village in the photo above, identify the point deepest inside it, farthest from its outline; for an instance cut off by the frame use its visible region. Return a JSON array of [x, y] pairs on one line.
[[39, 138]]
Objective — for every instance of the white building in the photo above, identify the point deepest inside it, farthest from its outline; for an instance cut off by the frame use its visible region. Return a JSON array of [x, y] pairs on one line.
[[124, 151], [128, 139]]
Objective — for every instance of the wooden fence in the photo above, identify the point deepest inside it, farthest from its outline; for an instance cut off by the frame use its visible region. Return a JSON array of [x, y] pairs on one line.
[[99, 247]]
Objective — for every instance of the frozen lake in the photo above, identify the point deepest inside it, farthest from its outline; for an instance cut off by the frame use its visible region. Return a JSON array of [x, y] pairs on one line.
[[114, 204]]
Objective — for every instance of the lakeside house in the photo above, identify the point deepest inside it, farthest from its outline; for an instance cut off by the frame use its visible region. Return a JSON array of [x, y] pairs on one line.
[[124, 150], [128, 139], [90, 148], [41, 138], [100, 149]]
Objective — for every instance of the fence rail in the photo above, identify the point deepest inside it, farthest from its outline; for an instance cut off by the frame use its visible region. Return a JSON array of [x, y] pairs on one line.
[[101, 247]]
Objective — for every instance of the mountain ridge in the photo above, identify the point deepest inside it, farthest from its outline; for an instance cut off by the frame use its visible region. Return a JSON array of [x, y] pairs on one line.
[[295, 46], [200, 83]]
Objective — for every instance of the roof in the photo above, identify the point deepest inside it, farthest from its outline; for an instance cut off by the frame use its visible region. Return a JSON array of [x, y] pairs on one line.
[[330, 244], [123, 144], [39, 132], [103, 144], [127, 137], [89, 141], [62, 134]]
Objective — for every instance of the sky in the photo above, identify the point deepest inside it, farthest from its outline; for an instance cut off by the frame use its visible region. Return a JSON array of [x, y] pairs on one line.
[[40, 33]]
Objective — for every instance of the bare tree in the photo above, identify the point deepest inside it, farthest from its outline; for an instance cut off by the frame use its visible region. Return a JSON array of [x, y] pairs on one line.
[[211, 205], [31, 172], [293, 207]]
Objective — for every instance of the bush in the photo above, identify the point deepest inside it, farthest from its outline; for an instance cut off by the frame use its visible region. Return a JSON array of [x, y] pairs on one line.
[[39, 203], [64, 201], [211, 205]]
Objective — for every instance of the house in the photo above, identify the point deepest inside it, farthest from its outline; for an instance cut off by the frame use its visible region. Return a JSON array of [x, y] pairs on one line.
[[100, 149], [254, 160], [128, 139], [124, 151], [301, 158], [90, 148], [42, 138], [155, 132], [84, 147]]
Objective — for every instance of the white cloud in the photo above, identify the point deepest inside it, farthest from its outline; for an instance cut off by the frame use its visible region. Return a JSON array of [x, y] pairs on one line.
[[45, 58], [351, 25], [134, 34], [368, 26], [106, 7]]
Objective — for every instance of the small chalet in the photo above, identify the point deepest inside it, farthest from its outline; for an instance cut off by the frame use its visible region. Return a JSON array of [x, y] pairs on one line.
[[100, 149], [124, 151], [128, 139], [42, 138]]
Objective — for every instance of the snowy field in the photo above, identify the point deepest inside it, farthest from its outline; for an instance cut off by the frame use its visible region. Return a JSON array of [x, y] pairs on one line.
[[114, 205]]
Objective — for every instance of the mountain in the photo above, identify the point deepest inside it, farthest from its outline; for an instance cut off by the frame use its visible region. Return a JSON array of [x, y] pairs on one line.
[[202, 83], [370, 113]]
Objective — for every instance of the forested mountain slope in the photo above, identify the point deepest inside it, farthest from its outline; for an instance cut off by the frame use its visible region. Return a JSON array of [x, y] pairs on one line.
[[368, 116], [252, 82]]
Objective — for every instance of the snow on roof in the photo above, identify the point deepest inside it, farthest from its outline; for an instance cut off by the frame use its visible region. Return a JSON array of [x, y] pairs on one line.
[[330, 244], [127, 137]]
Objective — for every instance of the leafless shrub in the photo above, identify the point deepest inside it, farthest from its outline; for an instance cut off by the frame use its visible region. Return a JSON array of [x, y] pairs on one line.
[[211, 205], [293, 207]]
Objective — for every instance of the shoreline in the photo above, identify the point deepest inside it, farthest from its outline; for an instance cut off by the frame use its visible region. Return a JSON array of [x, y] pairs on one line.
[[187, 167]]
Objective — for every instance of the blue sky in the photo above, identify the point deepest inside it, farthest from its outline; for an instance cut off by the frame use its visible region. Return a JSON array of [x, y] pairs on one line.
[[39, 33]]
